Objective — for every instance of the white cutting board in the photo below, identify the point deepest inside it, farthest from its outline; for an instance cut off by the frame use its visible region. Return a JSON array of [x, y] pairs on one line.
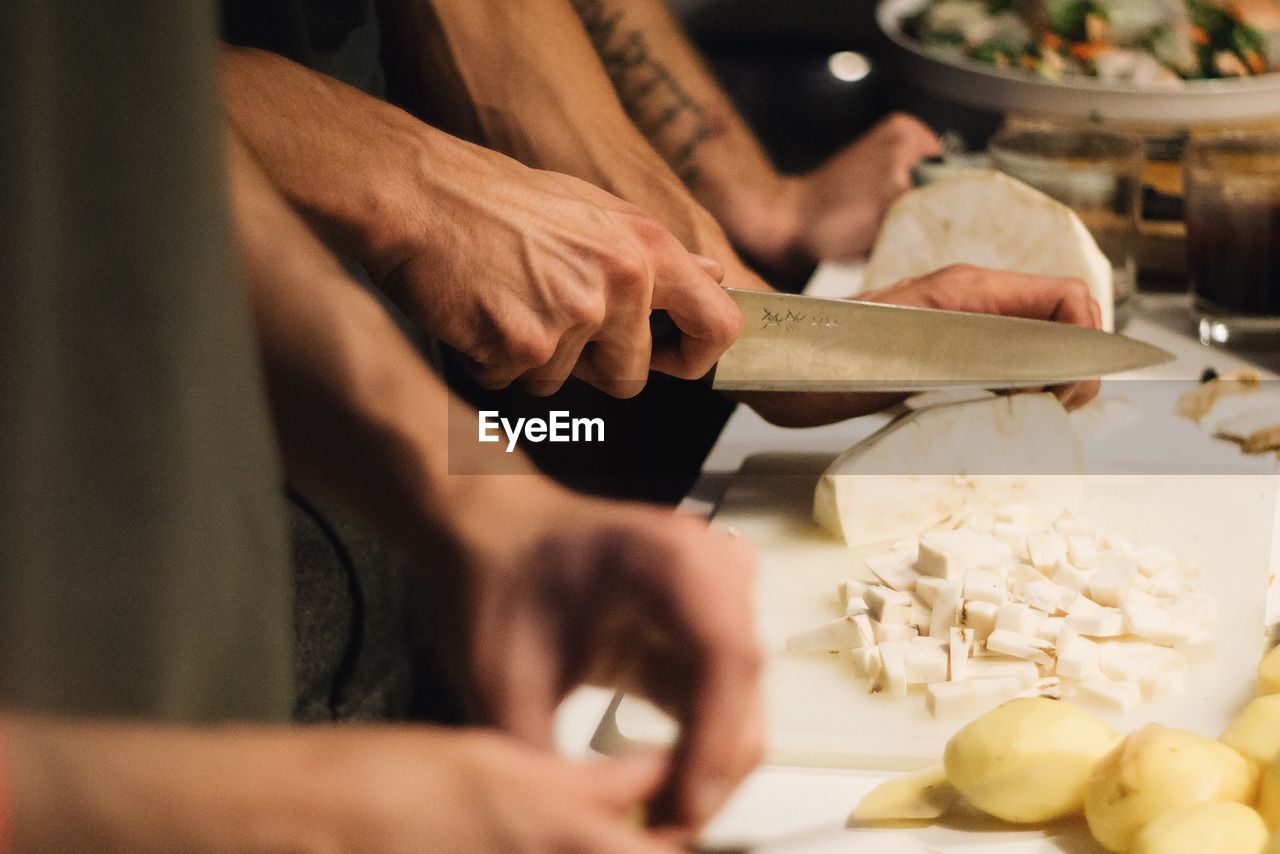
[[819, 715]]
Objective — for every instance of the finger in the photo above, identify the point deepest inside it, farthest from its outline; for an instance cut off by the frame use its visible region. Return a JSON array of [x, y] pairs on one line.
[[549, 378], [618, 362], [622, 785], [710, 266], [520, 694], [708, 320]]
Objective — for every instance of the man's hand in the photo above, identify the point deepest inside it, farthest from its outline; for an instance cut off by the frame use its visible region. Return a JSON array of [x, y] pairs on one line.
[[533, 276], [560, 591], [133, 789], [956, 288], [835, 212]]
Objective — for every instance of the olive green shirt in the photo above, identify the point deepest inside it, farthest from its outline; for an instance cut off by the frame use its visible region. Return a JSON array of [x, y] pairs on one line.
[[143, 558]]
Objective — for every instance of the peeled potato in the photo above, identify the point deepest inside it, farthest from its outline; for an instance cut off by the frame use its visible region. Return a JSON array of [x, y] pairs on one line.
[[1028, 760], [921, 796], [1269, 796], [1256, 732], [1217, 827], [1269, 673], [1157, 770]]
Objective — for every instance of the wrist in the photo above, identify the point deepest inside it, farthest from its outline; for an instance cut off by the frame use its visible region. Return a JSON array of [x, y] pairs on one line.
[[766, 222]]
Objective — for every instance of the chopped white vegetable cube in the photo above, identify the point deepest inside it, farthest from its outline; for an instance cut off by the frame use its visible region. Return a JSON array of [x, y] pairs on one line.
[[1082, 550], [1156, 624], [1046, 550], [850, 588], [926, 662], [896, 569], [834, 636], [856, 606], [969, 699], [946, 610], [1051, 629], [890, 632], [893, 668], [927, 588], [979, 616], [1013, 536], [1070, 526], [1019, 619], [1070, 577], [1021, 646], [1098, 622], [886, 605], [1200, 645], [1109, 584], [866, 663], [1129, 662], [1078, 658], [951, 554], [985, 585], [1022, 515], [959, 648], [921, 615], [1117, 696], [1045, 595]]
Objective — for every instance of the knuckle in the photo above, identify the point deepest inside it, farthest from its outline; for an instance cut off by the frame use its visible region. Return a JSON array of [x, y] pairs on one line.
[[629, 268], [530, 348]]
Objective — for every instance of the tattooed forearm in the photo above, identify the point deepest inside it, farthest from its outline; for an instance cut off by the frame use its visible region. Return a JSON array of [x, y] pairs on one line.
[[663, 110]]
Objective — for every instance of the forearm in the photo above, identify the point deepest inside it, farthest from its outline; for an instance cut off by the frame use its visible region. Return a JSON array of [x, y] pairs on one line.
[[674, 100], [360, 417], [525, 80]]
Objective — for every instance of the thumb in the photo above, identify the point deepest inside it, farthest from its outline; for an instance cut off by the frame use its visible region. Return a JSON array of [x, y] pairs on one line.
[[621, 785]]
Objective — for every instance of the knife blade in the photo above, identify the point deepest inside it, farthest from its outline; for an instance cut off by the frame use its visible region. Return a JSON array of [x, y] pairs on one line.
[[798, 343]]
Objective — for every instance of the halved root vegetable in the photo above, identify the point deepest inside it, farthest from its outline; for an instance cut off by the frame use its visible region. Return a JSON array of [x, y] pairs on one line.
[[1217, 827], [922, 796], [1158, 770], [1256, 732], [935, 463], [1269, 797], [1028, 760], [1269, 673]]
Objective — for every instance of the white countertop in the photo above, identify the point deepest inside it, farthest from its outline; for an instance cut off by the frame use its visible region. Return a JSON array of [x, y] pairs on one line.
[[803, 809]]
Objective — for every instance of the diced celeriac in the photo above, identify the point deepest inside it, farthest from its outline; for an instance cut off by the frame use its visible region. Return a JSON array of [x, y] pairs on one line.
[[1082, 550], [921, 615], [1078, 658], [1019, 619], [970, 698], [1069, 577], [946, 610], [1128, 662], [1096, 622], [951, 554], [1117, 696], [1046, 549], [927, 662], [1156, 624], [856, 606], [891, 632], [866, 663], [896, 569], [1050, 629], [1044, 595], [1167, 683], [927, 588], [959, 648], [886, 605], [850, 588], [893, 668], [1200, 645], [1109, 584], [1025, 516], [1027, 647], [985, 585], [1153, 559], [979, 616], [833, 636]]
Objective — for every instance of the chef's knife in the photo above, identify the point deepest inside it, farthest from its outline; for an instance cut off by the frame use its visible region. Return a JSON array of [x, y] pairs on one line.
[[799, 343]]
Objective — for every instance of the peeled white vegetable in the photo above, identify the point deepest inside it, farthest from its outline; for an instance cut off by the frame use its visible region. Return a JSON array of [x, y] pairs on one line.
[[940, 461], [1158, 770], [1217, 827], [921, 796], [987, 219], [1256, 731], [1269, 797], [1028, 760]]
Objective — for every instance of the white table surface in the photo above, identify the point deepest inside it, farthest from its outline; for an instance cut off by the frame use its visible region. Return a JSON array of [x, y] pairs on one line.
[[803, 809]]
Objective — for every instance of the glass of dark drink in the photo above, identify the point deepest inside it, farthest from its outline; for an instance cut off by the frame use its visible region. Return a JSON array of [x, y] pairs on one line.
[[1232, 189]]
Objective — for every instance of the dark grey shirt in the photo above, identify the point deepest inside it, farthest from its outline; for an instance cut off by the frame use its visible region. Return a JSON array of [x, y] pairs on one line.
[[143, 559]]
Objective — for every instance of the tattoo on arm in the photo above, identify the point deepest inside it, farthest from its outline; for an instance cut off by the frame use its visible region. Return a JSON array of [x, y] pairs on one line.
[[650, 93]]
